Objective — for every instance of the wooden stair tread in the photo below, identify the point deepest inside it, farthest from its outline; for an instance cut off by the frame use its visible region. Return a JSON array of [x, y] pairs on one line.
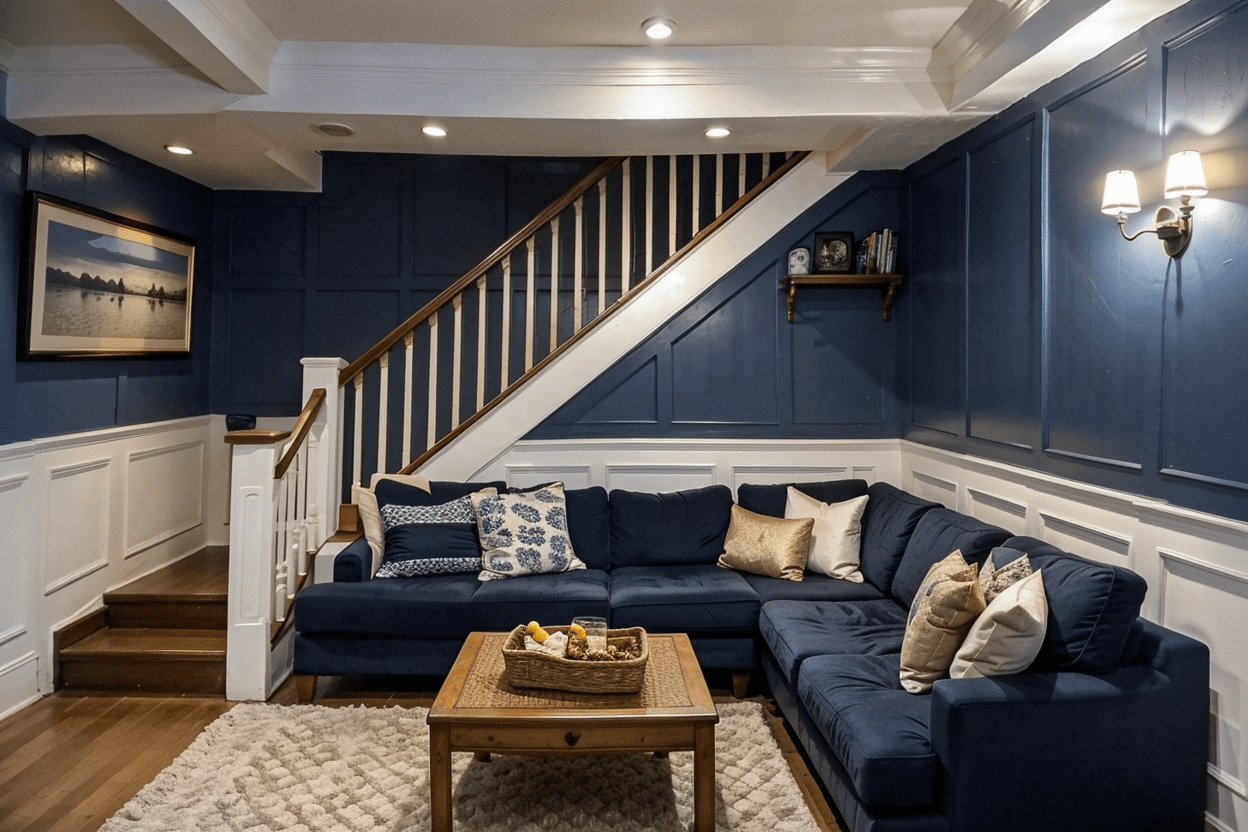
[[201, 577], [190, 645]]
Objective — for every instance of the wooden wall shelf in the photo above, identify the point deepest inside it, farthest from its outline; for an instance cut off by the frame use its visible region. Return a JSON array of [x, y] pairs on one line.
[[887, 284]]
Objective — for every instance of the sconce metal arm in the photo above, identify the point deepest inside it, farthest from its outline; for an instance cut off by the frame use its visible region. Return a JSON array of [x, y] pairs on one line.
[[1174, 229]]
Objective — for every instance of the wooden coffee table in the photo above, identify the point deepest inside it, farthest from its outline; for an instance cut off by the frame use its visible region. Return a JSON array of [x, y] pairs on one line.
[[477, 710]]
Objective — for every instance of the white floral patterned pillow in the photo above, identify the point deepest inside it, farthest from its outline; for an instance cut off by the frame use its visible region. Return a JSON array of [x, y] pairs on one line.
[[524, 533]]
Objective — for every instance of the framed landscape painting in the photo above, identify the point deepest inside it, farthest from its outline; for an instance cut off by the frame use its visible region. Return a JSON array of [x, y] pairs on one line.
[[102, 285]]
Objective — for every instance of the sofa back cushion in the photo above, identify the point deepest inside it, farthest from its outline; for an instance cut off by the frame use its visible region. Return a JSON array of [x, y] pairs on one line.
[[887, 523], [677, 527], [939, 532], [589, 525], [1092, 608], [393, 492], [770, 499]]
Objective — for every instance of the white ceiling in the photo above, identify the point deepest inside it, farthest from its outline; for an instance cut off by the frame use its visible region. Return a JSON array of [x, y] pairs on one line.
[[245, 82]]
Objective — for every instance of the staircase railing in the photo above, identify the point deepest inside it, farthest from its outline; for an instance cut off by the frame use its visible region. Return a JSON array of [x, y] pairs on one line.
[[565, 272], [279, 516]]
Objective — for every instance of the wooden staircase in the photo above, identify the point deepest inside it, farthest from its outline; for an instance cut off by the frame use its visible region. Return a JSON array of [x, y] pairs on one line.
[[163, 633]]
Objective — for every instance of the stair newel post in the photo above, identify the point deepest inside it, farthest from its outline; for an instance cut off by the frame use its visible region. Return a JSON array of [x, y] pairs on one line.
[[252, 580], [325, 447]]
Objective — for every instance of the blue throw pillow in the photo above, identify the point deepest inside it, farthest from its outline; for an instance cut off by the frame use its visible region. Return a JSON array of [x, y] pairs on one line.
[[430, 540]]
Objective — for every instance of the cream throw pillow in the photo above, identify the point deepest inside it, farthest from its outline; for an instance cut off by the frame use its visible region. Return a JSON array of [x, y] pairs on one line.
[[1007, 637], [765, 545], [944, 608], [836, 538], [370, 515]]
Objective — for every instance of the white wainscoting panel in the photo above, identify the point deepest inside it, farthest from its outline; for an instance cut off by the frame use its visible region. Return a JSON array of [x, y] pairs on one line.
[[164, 494], [1086, 539], [19, 683], [15, 588], [652, 477], [1000, 511], [527, 476], [674, 464], [76, 521], [934, 488]]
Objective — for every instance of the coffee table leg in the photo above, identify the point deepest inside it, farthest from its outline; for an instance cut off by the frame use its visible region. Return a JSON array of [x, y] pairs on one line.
[[440, 779], [704, 779]]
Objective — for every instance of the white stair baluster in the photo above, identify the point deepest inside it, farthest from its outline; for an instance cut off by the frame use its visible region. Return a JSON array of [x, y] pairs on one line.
[[457, 358], [530, 304], [602, 245], [505, 347], [578, 266], [554, 284], [409, 370], [357, 451], [383, 410], [432, 424], [626, 202]]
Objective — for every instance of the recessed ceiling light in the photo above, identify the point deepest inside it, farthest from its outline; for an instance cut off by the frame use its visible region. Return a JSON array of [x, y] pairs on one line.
[[717, 132], [658, 28], [433, 130], [179, 149], [338, 131]]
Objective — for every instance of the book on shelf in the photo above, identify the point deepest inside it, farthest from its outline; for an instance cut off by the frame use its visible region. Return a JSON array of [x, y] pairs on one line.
[[878, 254]]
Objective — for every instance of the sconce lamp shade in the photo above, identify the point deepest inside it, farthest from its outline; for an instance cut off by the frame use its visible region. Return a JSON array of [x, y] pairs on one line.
[[1185, 175], [1121, 194]]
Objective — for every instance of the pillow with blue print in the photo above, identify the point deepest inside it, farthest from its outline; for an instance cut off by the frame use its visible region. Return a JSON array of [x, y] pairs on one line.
[[524, 533], [430, 540]]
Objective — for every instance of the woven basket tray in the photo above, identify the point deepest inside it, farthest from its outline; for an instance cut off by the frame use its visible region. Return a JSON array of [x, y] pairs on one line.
[[531, 669]]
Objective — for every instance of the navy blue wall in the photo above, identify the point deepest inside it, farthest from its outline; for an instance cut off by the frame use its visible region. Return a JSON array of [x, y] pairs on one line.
[[329, 274], [51, 397], [730, 364], [1041, 338]]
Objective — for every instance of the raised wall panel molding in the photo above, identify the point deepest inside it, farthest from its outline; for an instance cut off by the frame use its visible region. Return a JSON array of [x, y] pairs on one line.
[[1005, 504], [171, 478], [572, 476], [18, 683], [1169, 557], [937, 489], [13, 515], [776, 474], [1103, 538], [659, 477], [97, 437], [75, 550]]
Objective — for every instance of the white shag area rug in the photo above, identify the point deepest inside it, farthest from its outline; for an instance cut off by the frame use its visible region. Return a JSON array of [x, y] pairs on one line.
[[314, 768]]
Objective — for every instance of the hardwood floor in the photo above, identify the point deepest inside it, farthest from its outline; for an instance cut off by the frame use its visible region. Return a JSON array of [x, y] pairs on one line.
[[70, 761]]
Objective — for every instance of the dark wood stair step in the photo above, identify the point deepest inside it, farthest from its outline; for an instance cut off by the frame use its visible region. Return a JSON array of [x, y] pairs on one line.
[[151, 660], [192, 593]]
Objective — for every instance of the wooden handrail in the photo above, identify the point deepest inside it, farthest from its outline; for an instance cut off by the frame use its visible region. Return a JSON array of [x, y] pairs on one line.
[[300, 432], [665, 266], [513, 242], [267, 437]]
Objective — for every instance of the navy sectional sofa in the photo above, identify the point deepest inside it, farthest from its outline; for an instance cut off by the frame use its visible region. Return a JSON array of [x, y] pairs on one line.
[[1106, 730]]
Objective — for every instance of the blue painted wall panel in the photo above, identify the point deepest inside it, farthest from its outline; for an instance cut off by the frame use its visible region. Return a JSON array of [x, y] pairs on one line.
[[938, 300], [265, 346], [730, 364], [1143, 359], [48, 397], [1003, 292], [267, 239]]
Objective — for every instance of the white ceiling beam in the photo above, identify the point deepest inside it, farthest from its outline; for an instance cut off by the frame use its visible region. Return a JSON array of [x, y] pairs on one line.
[[223, 39]]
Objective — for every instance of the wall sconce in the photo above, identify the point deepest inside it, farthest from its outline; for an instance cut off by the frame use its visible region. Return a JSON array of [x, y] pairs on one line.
[[1185, 178]]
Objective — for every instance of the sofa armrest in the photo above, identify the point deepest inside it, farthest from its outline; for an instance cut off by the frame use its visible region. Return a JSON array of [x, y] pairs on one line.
[[1069, 750], [354, 563]]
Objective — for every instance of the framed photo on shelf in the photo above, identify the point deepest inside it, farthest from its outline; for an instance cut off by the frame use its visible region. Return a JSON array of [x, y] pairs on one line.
[[834, 252], [799, 260], [97, 284]]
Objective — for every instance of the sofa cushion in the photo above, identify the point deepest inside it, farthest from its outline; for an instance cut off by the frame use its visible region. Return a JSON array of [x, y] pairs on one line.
[[1092, 607], [812, 587], [794, 631], [946, 605], [763, 545], [589, 525], [691, 598], [835, 538], [435, 606], [429, 540], [524, 533], [770, 499], [1007, 636], [678, 527], [887, 523], [939, 532], [877, 730], [556, 598]]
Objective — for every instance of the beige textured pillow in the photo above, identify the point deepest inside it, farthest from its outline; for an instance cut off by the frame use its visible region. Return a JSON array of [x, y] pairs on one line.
[[993, 580], [944, 608], [370, 515], [836, 538], [1007, 637], [764, 545]]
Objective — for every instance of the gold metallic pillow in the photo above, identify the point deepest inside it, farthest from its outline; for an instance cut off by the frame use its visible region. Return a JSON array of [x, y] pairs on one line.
[[946, 605], [766, 545]]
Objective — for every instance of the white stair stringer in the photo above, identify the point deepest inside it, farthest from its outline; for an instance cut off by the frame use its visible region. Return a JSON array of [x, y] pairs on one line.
[[477, 447]]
